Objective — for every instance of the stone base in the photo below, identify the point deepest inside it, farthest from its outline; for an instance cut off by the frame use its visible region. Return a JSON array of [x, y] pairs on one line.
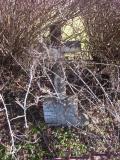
[[63, 112]]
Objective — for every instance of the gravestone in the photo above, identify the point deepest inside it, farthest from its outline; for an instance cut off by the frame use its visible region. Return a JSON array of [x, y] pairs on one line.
[[61, 109]]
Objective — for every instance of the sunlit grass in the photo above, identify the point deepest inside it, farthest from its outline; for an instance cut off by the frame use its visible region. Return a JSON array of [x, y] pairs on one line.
[[75, 30]]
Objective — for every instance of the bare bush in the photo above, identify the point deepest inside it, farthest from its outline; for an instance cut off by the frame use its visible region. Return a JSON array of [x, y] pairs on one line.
[[27, 61], [102, 20]]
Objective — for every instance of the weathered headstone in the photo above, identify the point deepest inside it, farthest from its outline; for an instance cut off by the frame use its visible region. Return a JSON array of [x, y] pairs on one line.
[[62, 110]]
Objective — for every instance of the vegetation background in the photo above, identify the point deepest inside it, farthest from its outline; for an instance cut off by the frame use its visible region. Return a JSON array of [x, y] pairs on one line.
[[26, 71]]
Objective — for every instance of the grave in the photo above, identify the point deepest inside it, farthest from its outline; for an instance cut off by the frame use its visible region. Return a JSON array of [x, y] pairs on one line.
[[61, 110]]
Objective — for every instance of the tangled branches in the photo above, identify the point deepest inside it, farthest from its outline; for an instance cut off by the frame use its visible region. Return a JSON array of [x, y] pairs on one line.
[[26, 71], [102, 22]]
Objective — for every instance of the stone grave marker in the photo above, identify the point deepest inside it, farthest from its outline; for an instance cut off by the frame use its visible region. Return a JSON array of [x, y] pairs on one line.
[[61, 110]]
